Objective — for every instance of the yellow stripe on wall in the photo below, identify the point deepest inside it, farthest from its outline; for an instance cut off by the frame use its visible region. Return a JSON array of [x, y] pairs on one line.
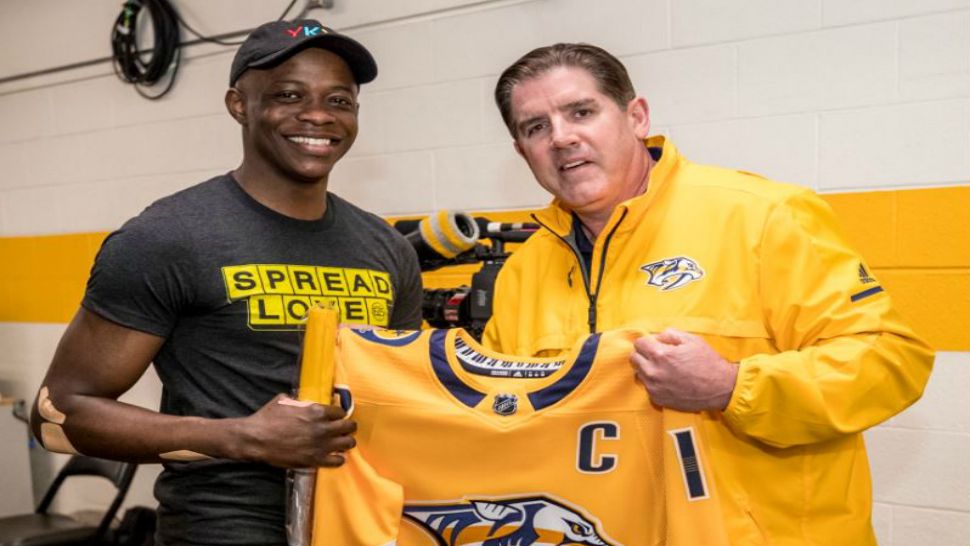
[[43, 278], [917, 243]]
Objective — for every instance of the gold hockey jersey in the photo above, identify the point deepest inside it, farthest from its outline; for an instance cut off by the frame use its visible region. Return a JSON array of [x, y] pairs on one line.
[[458, 445]]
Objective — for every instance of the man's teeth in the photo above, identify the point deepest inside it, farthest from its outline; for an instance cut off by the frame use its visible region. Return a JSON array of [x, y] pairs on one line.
[[310, 141], [573, 164]]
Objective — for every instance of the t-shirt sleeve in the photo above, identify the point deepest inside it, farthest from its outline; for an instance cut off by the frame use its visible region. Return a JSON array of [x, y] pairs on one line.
[[139, 278], [410, 291]]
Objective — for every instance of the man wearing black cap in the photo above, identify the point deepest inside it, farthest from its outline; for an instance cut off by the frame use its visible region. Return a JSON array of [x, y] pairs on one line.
[[211, 284]]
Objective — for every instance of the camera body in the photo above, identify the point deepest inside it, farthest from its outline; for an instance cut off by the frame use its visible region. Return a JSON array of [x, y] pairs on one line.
[[434, 239], [467, 307]]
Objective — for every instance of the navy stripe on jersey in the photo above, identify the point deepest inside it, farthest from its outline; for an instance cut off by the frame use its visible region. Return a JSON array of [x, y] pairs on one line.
[[399, 341], [866, 293], [548, 396], [439, 363], [690, 465], [345, 398]]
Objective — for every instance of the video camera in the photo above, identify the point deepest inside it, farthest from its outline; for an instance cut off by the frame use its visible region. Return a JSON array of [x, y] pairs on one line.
[[451, 238]]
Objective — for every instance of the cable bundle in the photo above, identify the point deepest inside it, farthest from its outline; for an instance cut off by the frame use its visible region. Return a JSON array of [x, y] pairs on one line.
[[164, 54]]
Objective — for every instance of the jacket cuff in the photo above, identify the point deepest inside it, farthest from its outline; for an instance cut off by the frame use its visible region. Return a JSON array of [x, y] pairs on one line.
[[740, 404]]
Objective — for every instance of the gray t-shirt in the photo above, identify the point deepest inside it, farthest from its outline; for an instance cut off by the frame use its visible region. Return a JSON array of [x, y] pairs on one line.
[[225, 280]]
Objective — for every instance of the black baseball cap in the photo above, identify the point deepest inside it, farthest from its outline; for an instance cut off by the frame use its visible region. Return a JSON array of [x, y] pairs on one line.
[[272, 43]]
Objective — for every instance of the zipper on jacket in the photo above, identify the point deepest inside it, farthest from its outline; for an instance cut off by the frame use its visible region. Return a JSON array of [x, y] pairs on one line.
[[571, 243], [599, 278]]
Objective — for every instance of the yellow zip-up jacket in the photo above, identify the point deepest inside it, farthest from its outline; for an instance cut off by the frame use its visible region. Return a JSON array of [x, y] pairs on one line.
[[761, 271]]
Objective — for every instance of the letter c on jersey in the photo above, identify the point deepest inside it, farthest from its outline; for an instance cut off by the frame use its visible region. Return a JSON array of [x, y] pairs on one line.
[[588, 459]]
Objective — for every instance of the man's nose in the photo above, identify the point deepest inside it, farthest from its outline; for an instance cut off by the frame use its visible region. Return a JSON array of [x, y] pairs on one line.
[[563, 134], [316, 111]]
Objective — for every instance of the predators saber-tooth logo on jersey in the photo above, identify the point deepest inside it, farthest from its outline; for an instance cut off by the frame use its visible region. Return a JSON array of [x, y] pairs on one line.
[[522, 521], [672, 273]]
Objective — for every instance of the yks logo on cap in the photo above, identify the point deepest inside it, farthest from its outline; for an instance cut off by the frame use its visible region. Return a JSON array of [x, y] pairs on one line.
[[306, 30], [528, 521], [672, 273]]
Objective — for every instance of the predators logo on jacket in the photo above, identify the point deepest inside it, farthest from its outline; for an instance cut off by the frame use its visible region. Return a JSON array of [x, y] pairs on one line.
[[461, 446]]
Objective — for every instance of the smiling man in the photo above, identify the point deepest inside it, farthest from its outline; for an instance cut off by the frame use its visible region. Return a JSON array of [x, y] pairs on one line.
[[211, 285], [758, 312]]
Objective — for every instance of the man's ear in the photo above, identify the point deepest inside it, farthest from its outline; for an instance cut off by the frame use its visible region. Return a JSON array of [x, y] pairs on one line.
[[638, 112], [518, 149], [236, 105]]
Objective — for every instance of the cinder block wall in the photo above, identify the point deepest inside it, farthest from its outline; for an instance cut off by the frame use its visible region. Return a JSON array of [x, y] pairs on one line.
[[865, 101]]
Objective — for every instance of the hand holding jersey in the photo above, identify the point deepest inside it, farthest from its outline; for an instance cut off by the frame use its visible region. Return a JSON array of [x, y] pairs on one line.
[[682, 371], [292, 434], [278, 433]]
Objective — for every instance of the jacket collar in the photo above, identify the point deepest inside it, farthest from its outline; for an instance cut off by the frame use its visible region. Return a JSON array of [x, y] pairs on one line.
[[558, 218]]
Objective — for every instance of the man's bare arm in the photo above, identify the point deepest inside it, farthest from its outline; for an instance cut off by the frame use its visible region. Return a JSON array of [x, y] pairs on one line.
[[97, 361]]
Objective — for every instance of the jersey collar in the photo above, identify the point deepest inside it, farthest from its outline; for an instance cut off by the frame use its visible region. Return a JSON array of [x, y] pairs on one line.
[[470, 391]]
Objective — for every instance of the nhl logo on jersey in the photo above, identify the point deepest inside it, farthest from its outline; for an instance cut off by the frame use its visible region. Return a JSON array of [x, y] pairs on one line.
[[505, 404], [523, 521], [672, 273]]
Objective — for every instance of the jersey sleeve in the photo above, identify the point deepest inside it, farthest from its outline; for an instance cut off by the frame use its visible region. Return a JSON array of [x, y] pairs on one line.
[[846, 360], [140, 279], [353, 504]]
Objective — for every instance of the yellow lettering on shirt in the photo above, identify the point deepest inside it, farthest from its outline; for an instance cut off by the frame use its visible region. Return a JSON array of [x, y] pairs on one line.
[[353, 310], [332, 281], [378, 313], [359, 282], [266, 311], [277, 296], [296, 308], [275, 279], [242, 281], [382, 284], [304, 280]]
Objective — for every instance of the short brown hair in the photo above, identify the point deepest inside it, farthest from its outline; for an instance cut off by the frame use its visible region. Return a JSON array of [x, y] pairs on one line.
[[610, 74]]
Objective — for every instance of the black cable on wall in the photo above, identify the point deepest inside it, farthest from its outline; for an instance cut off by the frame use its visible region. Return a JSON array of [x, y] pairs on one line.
[[148, 68], [164, 58]]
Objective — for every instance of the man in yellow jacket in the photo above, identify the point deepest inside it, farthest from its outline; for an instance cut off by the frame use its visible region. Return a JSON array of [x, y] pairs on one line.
[[761, 315]]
